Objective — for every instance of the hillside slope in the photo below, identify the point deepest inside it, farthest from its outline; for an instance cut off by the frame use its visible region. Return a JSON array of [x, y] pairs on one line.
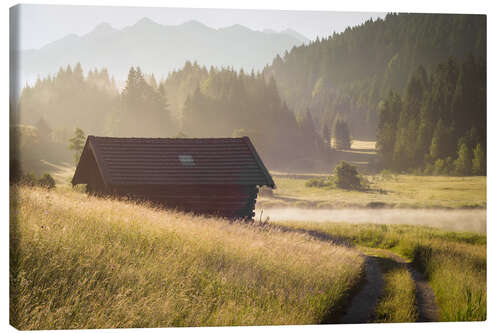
[[83, 262], [349, 73]]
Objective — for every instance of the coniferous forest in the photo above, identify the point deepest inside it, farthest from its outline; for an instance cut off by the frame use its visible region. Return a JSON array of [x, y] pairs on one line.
[[414, 82], [439, 125], [217, 103], [349, 73]]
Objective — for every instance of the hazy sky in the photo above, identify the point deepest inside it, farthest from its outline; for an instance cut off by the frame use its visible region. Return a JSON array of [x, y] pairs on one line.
[[42, 24]]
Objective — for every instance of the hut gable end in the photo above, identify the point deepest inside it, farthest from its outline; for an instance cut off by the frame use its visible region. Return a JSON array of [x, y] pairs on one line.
[[88, 171]]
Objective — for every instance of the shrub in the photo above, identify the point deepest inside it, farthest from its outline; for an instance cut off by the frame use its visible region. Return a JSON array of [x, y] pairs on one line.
[[429, 168], [443, 167], [28, 179], [347, 176], [386, 175], [319, 182], [47, 181]]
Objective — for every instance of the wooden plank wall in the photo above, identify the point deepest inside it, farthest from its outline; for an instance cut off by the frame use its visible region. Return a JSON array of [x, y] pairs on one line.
[[229, 201]]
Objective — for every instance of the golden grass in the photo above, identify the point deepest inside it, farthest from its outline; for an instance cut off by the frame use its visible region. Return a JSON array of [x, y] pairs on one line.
[[454, 263], [401, 191], [85, 262]]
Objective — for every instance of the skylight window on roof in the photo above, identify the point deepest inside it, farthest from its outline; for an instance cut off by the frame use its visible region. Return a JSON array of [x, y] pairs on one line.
[[186, 160]]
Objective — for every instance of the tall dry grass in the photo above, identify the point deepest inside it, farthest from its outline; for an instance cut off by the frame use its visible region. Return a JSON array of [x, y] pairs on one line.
[[84, 262], [453, 262]]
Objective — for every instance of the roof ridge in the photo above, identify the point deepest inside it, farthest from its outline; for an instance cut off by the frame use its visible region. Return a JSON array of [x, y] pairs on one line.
[[159, 160], [164, 138]]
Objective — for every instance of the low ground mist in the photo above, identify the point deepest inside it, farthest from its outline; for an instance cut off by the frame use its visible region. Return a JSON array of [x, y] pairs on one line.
[[473, 220]]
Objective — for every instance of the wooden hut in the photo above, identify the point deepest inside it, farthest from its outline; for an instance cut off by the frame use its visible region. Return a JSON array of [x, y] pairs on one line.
[[216, 176]]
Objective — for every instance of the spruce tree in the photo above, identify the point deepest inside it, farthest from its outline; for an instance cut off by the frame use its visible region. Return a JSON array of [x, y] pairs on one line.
[[77, 143], [463, 164], [327, 135], [341, 134], [479, 161]]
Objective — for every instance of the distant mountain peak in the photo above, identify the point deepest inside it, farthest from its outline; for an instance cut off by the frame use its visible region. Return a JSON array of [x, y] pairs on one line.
[[193, 24], [102, 28], [145, 22], [109, 47], [237, 28]]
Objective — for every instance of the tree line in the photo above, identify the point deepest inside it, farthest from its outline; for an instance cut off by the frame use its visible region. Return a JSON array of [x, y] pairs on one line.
[[224, 102], [191, 102], [332, 87], [439, 125], [348, 73]]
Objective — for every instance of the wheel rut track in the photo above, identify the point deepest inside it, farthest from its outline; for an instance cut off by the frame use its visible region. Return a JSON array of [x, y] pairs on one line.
[[362, 305], [428, 310]]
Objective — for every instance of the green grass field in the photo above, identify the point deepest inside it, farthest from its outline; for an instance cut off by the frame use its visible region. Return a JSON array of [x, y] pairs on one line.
[[454, 263], [84, 262], [399, 191]]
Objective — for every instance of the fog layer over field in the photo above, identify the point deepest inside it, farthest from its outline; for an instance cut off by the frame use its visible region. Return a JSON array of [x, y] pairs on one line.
[[473, 220]]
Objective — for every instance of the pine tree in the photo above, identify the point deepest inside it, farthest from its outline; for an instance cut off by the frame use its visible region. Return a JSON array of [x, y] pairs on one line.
[[78, 73], [389, 113], [341, 134], [327, 135], [463, 164], [44, 130], [479, 161], [436, 149], [77, 143]]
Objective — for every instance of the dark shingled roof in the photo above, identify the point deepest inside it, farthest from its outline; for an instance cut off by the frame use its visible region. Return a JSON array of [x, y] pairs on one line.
[[163, 161]]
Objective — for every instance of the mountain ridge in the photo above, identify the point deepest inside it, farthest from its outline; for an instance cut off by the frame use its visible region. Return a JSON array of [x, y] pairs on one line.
[[158, 48]]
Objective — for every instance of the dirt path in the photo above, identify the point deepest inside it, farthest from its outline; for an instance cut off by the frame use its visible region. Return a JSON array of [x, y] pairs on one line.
[[428, 310], [362, 306]]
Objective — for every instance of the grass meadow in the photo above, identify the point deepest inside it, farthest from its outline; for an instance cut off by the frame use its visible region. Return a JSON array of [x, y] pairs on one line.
[[397, 191], [84, 262], [454, 263]]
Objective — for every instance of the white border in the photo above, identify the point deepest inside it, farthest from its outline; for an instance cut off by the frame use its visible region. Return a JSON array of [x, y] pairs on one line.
[[429, 6]]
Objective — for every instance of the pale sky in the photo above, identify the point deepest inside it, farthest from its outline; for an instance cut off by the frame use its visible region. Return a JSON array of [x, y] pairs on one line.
[[42, 24]]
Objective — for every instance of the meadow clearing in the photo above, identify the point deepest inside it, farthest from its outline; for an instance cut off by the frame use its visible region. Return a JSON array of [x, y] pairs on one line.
[[79, 261], [86, 262], [408, 208], [385, 190]]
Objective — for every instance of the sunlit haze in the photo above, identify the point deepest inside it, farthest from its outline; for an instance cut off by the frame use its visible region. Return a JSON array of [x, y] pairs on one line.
[[42, 24]]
